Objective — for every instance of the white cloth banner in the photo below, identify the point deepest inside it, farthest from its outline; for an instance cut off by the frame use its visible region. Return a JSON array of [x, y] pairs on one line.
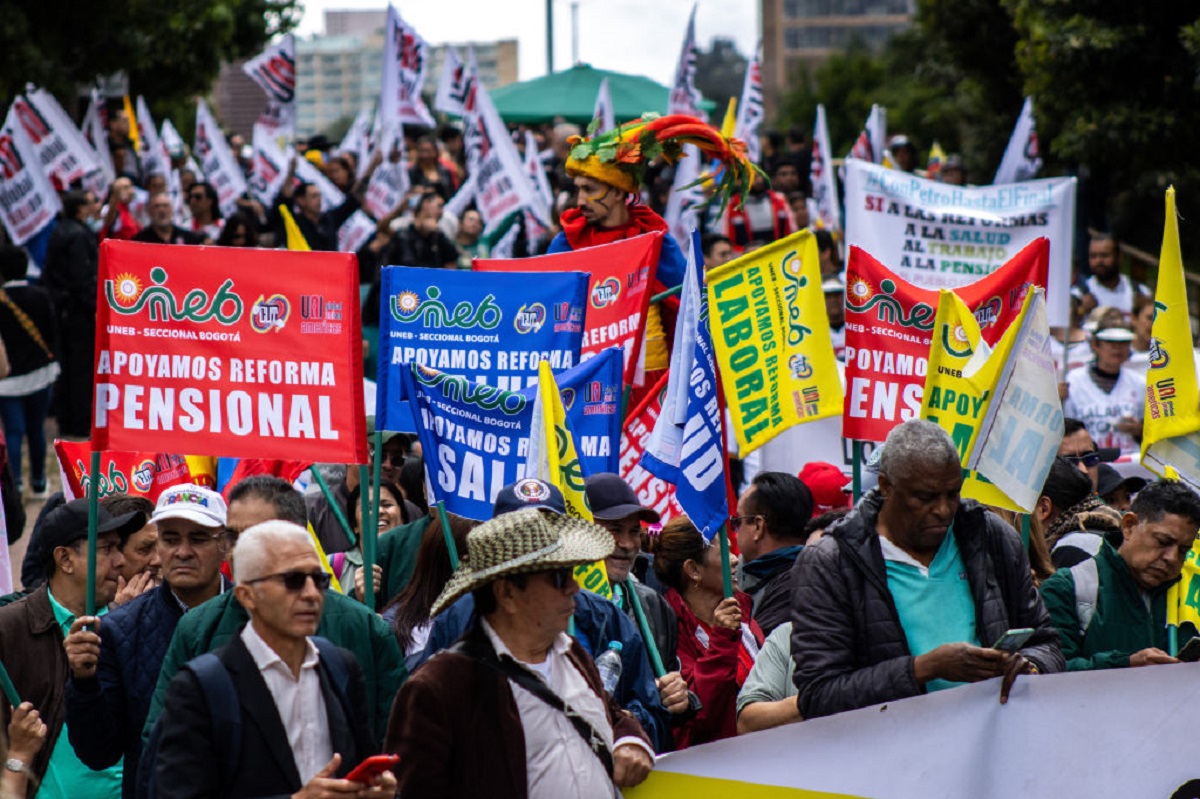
[[935, 235], [604, 110], [274, 69], [355, 231], [1055, 738], [685, 97], [750, 108], [455, 81], [307, 171], [501, 183], [154, 156], [1022, 159], [683, 203], [269, 168], [824, 186], [95, 131], [62, 151], [27, 200], [1020, 434], [386, 189], [872, 139], [217, 162], [405, 57], [357, 142], [536, 169]]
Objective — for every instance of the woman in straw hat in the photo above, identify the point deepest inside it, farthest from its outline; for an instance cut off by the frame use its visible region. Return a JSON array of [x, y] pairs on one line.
[[516, 709]]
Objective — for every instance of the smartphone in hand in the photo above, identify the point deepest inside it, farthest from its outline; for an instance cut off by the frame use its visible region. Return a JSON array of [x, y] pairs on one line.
[[1013, 640], [366, 771]]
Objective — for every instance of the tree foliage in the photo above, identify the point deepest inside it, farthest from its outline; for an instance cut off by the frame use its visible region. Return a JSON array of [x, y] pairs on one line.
[[720, 72], [171, 50]]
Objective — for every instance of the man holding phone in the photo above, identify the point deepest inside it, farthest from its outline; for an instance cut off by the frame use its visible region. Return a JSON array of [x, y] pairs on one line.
[[1111, 610], [914, 590], [301, 719]]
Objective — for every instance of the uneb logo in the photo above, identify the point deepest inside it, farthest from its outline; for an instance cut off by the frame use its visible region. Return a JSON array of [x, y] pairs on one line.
[[143, 476], [606, 293], [269, 314], [530, 318]]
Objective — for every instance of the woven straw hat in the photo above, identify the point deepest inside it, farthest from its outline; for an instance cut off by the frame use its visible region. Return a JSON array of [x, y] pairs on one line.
[[522, 542]]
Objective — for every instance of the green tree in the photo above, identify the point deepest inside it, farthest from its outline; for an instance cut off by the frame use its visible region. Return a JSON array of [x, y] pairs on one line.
[[170, 49], [720, 73]]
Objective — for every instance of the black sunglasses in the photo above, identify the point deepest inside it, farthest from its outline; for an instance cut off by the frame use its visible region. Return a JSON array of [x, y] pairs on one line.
[[1088, 459], [735, 522], [560, 578], [295, 581]]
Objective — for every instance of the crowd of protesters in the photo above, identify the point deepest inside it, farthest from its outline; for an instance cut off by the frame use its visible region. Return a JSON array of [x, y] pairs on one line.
[[222, 660]]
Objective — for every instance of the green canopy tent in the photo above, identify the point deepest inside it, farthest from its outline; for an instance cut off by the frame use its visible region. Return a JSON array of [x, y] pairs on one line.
[[571, 94]]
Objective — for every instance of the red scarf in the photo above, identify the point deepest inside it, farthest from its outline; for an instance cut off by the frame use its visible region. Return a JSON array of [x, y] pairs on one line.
[[580, 234]]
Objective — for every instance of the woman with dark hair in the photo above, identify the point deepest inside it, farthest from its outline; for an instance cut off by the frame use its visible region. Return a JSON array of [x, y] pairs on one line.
[[412, 482], [202, 201], [716, 647], [348, 565], [409, 610], [239, 231]]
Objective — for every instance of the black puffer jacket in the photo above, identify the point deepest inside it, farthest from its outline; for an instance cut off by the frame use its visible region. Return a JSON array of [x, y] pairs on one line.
[[849, 647]]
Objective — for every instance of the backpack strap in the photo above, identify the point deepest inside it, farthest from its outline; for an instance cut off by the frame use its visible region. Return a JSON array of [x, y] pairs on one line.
[[1087, 591], [225, 711]]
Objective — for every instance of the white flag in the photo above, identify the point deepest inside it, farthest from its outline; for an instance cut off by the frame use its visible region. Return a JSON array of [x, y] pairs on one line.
[[455, 82], [405, 56], [501, 183], [872, 140], [824, 187], [685, 97], [357, 142], [154, 156], [1022, 159], [269, 167], [536, 168], [387, 187], [62, 150], [682, 203], [604, 108], [27, 200], [307, 171], [1022, 428], [274, 69], [355, 231], [217, 161], [95, 130], [750, 108]]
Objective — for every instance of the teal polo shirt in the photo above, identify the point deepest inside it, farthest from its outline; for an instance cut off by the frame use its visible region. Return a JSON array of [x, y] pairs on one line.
[[935, 604], [66, 776]]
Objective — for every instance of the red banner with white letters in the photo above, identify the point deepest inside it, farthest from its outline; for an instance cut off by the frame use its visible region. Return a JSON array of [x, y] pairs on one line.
[[139, 474], [620, 276], [889, 327], [651, 491], [230, 352]]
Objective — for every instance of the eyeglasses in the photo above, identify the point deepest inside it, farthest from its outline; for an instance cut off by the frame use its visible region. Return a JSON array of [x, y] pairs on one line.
[[195, 540], [737, 521], [560, 578], [1088, 459], [295, 581]]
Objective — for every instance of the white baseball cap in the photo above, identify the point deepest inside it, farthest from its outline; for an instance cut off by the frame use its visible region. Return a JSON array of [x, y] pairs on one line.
[[193, 503]]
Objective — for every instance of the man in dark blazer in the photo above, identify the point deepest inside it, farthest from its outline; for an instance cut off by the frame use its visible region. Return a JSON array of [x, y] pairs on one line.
[[301, 729]]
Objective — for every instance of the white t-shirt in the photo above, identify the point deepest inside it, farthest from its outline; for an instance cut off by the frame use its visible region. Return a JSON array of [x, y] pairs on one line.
[[1079, 353], [1100, 412], [1120, 298]]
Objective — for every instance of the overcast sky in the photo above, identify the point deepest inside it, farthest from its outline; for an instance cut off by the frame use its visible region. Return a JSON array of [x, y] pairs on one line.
[[635, 36]]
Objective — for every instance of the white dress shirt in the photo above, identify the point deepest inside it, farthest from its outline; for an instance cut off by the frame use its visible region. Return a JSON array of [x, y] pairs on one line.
[[559, 764], [300, 703]]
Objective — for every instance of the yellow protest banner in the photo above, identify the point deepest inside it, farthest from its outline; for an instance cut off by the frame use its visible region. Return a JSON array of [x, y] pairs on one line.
[[771, 334], [960, 384], [1170, 437], [553, 458]]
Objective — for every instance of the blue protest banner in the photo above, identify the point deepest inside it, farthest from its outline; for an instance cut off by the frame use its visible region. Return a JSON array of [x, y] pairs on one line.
[[491, 328], [475, 436]]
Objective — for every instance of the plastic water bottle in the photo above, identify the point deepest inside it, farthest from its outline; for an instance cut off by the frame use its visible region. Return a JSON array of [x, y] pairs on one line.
[[609, 666]]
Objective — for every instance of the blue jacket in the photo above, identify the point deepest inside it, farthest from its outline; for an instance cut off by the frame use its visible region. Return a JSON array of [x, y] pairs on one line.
[[105, 713], [597, 621]]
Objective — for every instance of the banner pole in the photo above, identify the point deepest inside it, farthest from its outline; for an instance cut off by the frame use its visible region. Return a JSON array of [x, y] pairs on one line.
[[449, 536], [726, 570], [93, 511], [1172, 640], [333, 504], [644, 628], [1025, 531], [668, 293], [370, 533], [856, 470], [364, 501]]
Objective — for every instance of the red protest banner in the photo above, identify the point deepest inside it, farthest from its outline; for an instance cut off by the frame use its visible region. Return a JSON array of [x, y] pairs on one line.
[[232, 352], [140, 474], [651, 491], [620, 275], [889, 324]]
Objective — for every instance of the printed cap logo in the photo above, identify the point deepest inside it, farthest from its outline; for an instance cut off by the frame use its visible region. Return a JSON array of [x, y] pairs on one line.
[[531, 490]]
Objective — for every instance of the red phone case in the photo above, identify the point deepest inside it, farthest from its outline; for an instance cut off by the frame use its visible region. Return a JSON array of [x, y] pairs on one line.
[[365, 771]]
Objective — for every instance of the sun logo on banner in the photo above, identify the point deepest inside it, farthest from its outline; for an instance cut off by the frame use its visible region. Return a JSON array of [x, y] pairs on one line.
[[129, 288], [859, 290], [407, 302], [956, 342]]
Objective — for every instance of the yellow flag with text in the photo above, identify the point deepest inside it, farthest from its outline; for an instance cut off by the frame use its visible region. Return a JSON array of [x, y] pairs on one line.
[[771, 335], [1170, 437], [960, 385], [553, 458]]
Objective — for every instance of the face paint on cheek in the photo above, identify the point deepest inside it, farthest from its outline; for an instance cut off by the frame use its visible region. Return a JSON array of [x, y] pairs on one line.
[[597, 199]]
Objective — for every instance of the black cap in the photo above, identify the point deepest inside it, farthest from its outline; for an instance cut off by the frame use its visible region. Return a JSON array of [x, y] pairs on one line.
[[68, 523], [610, 498], [529, 493], [1109, 480]]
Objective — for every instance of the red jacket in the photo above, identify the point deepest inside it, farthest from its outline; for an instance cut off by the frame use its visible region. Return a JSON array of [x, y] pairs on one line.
[[711, 672], [738, 222]]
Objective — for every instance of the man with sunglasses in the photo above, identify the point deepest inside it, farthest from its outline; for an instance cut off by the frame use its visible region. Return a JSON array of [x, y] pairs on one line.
[[303, 721], [1078, 447], [115, 663]]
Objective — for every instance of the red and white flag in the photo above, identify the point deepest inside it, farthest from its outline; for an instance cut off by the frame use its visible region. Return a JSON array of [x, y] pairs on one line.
[[27, 200], [274, 70], [685, 97], [750, 108]]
